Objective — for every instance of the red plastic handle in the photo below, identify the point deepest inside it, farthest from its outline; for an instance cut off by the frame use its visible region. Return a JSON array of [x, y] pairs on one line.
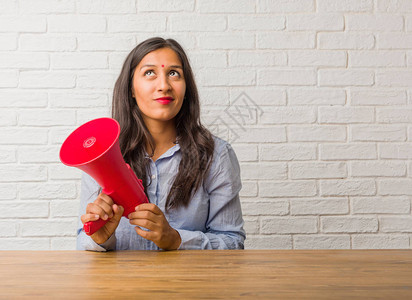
[[93, 226]]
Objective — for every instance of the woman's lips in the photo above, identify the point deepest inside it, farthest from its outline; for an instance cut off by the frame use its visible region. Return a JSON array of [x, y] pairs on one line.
[[164, 100]]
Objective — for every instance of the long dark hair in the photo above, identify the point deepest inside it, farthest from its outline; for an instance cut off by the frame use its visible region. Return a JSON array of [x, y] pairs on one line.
[[195, 141]]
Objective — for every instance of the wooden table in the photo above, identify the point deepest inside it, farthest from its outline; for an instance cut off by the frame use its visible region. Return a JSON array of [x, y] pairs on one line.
[[300, 274]]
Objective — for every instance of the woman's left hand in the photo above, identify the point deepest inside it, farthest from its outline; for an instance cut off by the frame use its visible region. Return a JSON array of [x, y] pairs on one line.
[[149, 216]]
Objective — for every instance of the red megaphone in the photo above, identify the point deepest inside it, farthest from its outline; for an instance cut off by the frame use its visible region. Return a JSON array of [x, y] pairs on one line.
[[94, 149]]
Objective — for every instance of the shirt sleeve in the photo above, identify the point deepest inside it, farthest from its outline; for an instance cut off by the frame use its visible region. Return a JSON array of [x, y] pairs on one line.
[[224, 227], [89, 192]]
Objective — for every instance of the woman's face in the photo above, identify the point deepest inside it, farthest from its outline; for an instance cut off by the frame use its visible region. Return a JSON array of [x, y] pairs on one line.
[[159, 85]]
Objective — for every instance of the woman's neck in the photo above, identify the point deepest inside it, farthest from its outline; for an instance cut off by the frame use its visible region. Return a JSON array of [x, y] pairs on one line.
[[164, 136]]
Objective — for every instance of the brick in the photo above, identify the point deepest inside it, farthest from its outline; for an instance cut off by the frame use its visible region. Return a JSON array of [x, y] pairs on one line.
[[246, 152], [259, 96], [345, 6], [9, 6], [24, 61], [7, 155], [19, 210], [19, 173], [227, 77], [59, 134], [393, 78], [377, 59], [78, 99], [131, 23], [286, 40], [47, 118], [8, 42], [349, 224], [324, 206], [346, 115], [36, 42], [8, 118], [286, 77], [227, 41], [23, 99], [380, 133], [23, 136], [279, 225], [49, 228], [345, 77], [61, 172], [99, 80], [76, 60], [86, 115], [35, 79], [288, 152], [48, 191], [380, 241], [315, 170], [320, 58], [390, 6], [168, 6], [316, 133], [76, 23], [345, 40], [260, 208], [251, 225], [209, 59], [105, 43], [304, 188], [378, 169], [66, 208], [395, 151], [381, 205], [25, 244], [44, 154], [291, 6], [258, 171], [395, 186], [8, 229], [376, 22], [316, 96], [63, 243], [377, 97], [249, 189], [194, 23], [393, 40], [349, 187], [23, 24], [257, 58], [289, 115], [8, 79], [261, 135], [229, 6], [46, 6], [107, 7], [316, 22], [268, 242], [256, 22], [348, 151], [316, 242], [211, 96], [394, 115], [396, 224]]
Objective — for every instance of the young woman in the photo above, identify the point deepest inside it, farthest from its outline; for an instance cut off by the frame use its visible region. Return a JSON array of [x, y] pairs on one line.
[[191, 178]]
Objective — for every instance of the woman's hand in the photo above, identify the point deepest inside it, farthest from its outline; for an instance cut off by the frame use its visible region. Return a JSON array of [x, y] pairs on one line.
[[149, 216], [104, 208]]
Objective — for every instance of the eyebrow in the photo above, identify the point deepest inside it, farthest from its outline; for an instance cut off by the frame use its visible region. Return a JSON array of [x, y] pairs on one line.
[[172, 66]]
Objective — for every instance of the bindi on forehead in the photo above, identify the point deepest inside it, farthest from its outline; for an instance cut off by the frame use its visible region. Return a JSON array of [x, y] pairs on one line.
[[163, 66]]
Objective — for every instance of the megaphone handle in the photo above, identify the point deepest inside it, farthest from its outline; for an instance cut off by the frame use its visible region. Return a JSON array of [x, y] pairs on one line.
[[93, 226]]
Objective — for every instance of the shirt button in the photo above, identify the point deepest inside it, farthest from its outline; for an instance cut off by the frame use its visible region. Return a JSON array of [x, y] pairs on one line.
[[153, 176]]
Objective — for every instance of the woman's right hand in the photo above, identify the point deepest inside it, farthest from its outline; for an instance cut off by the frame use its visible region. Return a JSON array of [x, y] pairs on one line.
[[103, 208]]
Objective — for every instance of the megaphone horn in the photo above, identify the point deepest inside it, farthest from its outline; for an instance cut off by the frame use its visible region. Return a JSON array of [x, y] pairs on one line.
[[94, 148]]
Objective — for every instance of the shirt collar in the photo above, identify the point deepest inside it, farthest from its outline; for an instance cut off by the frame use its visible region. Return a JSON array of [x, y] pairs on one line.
[[168, 153]]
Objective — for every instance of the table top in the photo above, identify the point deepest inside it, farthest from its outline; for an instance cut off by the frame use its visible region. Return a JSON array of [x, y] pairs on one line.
[[302, 274]]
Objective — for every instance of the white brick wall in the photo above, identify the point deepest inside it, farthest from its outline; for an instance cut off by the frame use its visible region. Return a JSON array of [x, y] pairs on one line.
[[314, 95]]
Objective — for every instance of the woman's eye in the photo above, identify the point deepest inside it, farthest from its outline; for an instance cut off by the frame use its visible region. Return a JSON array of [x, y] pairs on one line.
[[174, 73], [149, 72]]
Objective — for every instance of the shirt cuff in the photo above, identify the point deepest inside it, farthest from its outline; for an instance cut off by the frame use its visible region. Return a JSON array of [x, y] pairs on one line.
[[193, 240], [85, 242]]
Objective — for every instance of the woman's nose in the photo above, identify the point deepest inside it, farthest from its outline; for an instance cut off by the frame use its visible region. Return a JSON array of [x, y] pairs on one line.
[[163, 83]]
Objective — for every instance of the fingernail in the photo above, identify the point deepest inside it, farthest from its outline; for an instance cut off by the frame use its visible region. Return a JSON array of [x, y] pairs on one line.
[[105, 217], [96, 216], [136, 208]]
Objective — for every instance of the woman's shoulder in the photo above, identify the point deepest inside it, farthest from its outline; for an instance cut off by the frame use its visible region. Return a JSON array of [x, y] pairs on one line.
[[221, 145], [223, 153]]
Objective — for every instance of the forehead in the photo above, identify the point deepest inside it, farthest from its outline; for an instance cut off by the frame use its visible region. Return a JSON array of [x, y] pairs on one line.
[[161, 56]]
